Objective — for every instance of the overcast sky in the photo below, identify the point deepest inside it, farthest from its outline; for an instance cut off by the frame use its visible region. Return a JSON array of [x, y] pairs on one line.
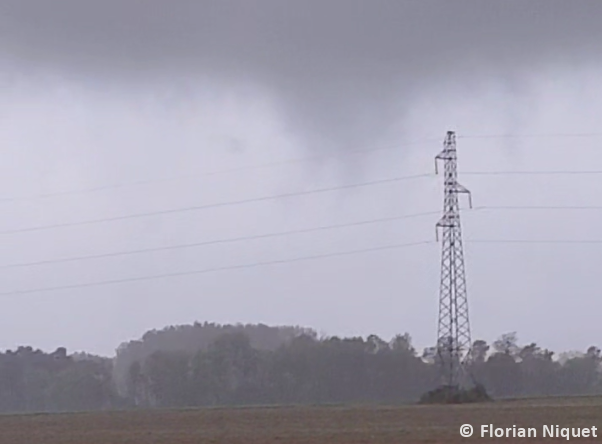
[[133, 102]]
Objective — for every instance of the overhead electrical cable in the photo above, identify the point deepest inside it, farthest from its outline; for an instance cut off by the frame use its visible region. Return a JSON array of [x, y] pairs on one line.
[[211, 173], [269, 198], [215, 270], [529, 136], [217, 241], [275, 164], [540, 207], [534, 241], [530, 173], [218, 204]]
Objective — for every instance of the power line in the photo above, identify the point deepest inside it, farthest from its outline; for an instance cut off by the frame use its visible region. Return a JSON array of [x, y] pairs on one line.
[[533, 241], [530, 173], [538, 207], [529, 136], [218, 204], [164, 180], [101, 188], [217, 241], [530, 208], [275, 197], [277, 164], [209, 173], [153, 181], [263, 236], [216, 269]]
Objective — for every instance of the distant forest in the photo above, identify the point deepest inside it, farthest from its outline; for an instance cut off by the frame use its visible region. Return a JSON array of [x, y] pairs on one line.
[[224, 365]]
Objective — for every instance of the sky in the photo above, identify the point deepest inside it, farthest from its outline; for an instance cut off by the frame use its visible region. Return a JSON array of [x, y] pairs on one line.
[[116, 109]]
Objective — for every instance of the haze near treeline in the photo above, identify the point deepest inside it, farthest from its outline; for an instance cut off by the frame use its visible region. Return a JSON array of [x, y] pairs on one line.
[[209, 365]]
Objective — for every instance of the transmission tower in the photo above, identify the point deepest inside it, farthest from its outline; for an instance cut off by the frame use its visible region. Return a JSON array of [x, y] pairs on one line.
[[453, 335]]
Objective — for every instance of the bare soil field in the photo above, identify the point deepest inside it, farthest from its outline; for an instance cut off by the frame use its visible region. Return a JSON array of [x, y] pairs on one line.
[[304, 425]]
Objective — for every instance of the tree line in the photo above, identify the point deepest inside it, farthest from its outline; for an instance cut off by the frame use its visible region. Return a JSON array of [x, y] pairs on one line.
[[216, 365], [34, 381]]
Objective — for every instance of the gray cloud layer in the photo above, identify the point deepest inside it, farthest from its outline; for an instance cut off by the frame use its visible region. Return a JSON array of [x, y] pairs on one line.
[[338, 72], [340, 69]]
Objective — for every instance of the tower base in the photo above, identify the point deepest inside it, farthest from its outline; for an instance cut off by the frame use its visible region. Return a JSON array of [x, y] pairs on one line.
[[447, 394]]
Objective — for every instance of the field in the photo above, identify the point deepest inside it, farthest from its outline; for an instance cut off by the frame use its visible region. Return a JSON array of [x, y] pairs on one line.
[[303, 425]]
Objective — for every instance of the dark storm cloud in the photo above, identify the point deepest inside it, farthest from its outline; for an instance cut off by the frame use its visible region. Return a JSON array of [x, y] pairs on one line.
[[335, 66]]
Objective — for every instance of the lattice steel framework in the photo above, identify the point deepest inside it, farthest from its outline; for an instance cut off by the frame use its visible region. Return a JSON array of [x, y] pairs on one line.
[[453, 336]]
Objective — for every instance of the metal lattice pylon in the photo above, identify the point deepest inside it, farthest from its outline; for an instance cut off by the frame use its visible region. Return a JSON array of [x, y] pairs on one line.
[[453, 335]]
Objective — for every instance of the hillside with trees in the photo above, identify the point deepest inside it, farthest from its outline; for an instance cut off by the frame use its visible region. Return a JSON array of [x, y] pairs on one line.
[[224, 365]]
